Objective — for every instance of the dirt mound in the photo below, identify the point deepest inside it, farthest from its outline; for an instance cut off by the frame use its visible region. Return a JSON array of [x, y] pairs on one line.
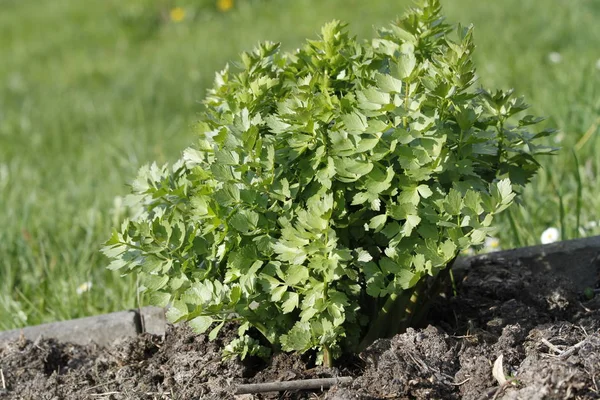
[[547, 334]]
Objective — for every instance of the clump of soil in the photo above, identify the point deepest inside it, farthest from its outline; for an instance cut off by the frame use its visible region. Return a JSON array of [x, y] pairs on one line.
[[547, 334]]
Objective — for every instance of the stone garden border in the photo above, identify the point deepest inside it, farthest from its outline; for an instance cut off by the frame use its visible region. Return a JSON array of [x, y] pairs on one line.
[[100, 329]]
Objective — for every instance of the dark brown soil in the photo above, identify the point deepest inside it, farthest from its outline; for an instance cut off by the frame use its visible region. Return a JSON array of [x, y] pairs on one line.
[[547, 333]]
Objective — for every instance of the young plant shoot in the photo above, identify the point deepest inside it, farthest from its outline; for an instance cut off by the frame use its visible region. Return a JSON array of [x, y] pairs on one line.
[[329, 188]]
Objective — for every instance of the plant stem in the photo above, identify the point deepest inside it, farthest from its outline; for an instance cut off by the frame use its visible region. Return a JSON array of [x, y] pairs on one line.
[[410, 308], [378, 326], [327, 359]]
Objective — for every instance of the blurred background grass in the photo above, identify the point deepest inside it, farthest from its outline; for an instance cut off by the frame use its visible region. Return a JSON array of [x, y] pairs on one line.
[[90, 91]]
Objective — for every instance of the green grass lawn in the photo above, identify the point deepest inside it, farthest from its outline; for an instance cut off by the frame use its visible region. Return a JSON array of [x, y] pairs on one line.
[[90, 91]]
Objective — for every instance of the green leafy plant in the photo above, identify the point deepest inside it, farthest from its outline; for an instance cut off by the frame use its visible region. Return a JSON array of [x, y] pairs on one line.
[[330, 188]]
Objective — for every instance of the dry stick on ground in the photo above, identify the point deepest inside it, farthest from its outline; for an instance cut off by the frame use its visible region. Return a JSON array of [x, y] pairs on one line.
[[572, 349], [551, 346], [459, 383], [303, 384], [3, 381]]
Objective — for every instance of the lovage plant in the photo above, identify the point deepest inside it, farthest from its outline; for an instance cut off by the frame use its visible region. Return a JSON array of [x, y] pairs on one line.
[[329, 188]]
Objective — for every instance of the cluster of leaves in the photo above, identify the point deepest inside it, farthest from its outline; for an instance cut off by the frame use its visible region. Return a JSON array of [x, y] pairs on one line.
[[325, 183]]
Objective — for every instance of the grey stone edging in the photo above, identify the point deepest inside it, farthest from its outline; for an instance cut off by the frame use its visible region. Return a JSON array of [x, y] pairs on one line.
[[577, 260], [100, 329]]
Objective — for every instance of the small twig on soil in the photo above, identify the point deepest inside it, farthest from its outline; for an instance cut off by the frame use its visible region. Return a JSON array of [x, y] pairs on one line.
[[595, 390], [3, 381], [587, 310], [104, 394], [572, 349], [459, 383], [106, 383], [463, 336], [551, 346], [303, 384], [502, 388]]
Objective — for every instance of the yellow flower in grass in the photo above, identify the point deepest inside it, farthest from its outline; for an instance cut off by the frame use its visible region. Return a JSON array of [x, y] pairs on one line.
[[224, 5], [177, 14]]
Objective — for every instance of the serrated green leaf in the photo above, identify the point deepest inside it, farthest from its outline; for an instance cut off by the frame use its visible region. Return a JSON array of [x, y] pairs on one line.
[[487, 220], [448, 249], [407, 279], [412, 221], [409, 195], [278, 292], [418, 261], [378, 222], [374, 279], [117, 264], [290, 302], [473, 201], [296, 274], [428, 231], [477, 236], [505, 191], [352, 169], [424, 191], [226, 157], [244, 221], [405, 65], [230, 194], [355, 122], [453, 203], [276, 125], [215, 331], [377, 182], [388, 83], [201, 324], [326, 174], [366, 145], [289, 251], [154, 282], [363, 255], [177, 311], [236, 293], [159, 299], [114, 250], [374, 96], [401, 211], [388, 266], [298, 338]]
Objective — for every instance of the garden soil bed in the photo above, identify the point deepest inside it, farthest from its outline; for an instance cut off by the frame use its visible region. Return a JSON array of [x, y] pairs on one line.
[[546, 331]]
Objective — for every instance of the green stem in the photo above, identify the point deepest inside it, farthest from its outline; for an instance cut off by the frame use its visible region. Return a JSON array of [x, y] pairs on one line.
[[327, 359], [378, 326], [405, 311], [261, 328], [410, 308]]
